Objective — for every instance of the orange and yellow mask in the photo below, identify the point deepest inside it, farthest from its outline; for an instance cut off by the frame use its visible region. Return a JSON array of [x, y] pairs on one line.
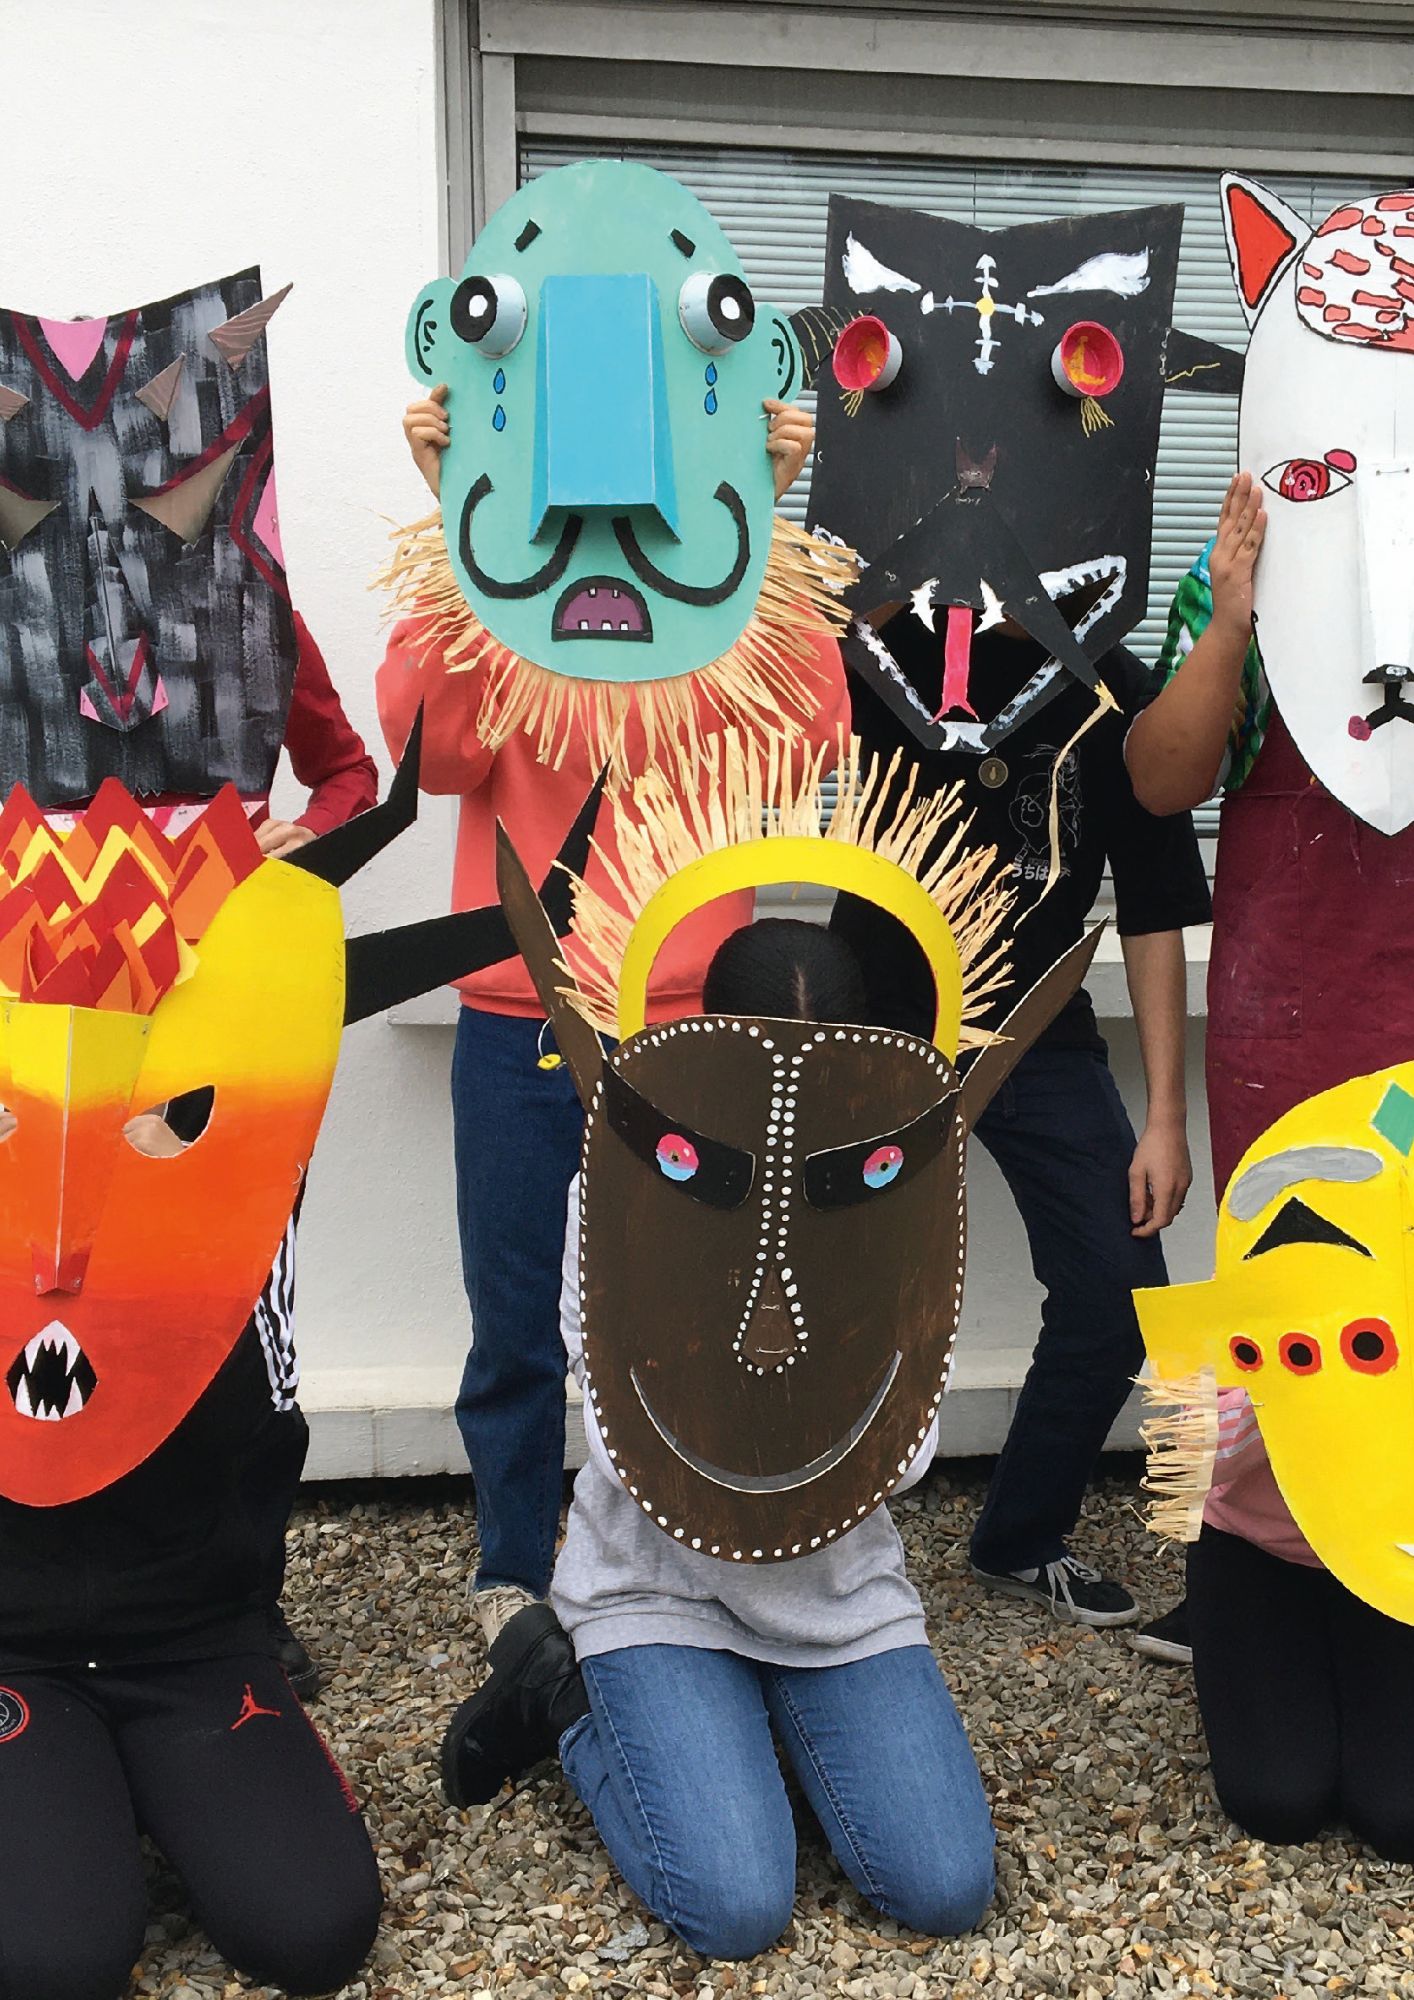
[[1310, 1313], [133, 970]]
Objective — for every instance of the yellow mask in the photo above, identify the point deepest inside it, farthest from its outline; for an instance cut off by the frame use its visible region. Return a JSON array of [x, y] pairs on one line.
[[1310, 1313]]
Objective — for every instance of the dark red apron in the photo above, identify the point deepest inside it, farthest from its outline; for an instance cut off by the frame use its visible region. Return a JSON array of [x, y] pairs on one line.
[[1312, 973]]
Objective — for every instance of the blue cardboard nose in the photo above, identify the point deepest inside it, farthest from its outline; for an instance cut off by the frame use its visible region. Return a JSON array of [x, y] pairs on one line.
[[602, 436]]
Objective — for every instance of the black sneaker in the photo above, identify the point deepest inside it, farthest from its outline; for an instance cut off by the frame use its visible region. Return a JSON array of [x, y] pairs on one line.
[[1165, 1638], [1069, 1588], [295, 1663], [516, 1719]]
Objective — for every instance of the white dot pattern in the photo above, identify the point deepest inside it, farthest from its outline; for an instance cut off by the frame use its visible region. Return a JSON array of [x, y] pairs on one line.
[[779, 1165]]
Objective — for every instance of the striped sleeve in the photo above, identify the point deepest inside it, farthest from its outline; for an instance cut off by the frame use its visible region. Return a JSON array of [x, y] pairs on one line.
[[1238, 1433], [275, 1323], [1189, 614]]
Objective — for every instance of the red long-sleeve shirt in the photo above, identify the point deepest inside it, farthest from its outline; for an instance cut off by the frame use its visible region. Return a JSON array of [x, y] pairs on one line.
[[537, 805], [327, 754]]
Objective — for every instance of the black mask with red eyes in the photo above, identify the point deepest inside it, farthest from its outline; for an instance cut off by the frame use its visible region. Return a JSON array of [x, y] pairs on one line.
[[987, 429], [771, 1261], [145, 624]]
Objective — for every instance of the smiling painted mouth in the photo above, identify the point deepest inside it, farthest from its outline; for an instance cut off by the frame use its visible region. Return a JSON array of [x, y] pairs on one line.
[[773, 1482], [51, 1378], [602, 607]]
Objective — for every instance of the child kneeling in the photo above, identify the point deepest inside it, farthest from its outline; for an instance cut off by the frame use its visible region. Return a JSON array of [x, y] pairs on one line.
[[668, 1678]]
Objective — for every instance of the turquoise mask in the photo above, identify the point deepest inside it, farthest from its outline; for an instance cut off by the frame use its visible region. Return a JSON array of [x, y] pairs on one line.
[[607, 496]]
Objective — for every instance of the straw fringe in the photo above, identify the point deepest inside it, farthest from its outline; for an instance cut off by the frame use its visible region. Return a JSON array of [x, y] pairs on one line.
[[749, 686], [734, 790], [1181, 1437]]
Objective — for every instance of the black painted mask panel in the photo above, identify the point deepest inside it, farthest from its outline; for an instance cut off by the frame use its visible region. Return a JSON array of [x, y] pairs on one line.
[[145, 624], [974, 479]]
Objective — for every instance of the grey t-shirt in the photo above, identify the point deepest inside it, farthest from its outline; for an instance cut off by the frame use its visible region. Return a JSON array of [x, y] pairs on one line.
[[621, 1581]]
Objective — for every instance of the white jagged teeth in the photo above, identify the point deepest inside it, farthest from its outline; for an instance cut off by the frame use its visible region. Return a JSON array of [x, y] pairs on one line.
[[22, 1401], [55, 1339], [75, 1402]]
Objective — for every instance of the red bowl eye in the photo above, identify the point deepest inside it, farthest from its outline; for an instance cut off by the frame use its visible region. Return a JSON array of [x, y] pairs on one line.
[[1301, 1353], [1369, 1346], [1245, 1353], [867, 355], [1088, 360]]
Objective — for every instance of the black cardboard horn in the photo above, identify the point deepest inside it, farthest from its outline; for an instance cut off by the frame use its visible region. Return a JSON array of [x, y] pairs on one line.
[[337, 856], [533, 928], [1191, 363], [386, 968]]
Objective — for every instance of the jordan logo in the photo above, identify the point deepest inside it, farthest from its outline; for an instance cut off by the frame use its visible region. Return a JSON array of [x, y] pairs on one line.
[[250, 1708]]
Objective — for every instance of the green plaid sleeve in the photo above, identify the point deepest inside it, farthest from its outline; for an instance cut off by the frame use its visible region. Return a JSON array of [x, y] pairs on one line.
[[1189, 614]]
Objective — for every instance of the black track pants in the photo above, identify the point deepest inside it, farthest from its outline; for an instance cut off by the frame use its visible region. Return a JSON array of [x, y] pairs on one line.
[[1304, 1692], [217, 1761]]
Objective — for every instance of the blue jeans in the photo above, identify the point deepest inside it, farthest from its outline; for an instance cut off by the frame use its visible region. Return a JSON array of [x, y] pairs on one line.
[[517, 1131], [677, 1763], [1060, 1134]]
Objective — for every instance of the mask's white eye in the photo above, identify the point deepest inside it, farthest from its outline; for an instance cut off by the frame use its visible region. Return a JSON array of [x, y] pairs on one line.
[[489, 313], [715, 312], [1310, 478]]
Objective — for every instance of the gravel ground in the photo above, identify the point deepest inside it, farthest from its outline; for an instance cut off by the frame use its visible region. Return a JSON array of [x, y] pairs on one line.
[[1118, 1874]]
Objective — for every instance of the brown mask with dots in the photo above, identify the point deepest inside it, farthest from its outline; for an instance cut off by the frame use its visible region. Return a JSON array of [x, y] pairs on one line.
[[772, 1221]]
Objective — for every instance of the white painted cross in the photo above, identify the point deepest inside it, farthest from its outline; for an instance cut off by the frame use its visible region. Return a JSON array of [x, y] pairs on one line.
[[986, 307]]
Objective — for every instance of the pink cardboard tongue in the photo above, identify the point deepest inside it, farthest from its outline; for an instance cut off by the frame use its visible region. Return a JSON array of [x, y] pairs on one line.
[[957, 662], [75, 342]]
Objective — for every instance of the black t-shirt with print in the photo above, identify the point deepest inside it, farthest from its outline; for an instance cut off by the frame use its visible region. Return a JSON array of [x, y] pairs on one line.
[[1159, 881]]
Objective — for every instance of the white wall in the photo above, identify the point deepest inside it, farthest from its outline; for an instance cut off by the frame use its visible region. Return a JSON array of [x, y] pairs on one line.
[[171, 143], [146, 146]]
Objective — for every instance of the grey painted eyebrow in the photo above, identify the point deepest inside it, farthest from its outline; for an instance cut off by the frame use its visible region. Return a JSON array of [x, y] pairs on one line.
[[527, 235], [1266, 1179]]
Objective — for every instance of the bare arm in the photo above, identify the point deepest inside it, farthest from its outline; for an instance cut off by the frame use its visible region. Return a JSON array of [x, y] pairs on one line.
[[1161, 1171], [1175, 748]]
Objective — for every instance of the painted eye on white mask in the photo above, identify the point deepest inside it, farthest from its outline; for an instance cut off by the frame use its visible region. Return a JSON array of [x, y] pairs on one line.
[[1303, 479], [716, 311], [489, 314]]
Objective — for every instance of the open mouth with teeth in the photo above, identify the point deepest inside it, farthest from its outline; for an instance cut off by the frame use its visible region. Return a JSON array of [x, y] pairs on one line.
[[954, 724], [51, 1377], [601, 607]]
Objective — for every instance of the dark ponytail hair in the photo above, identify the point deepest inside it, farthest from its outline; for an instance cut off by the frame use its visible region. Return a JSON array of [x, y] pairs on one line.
[[788, 970]]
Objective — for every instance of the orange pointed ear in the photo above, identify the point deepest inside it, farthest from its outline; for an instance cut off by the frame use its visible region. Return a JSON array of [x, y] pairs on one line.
[[1263, 235]]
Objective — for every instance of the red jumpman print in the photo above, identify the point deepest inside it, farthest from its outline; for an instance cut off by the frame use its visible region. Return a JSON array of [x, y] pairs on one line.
[[250, 1708]]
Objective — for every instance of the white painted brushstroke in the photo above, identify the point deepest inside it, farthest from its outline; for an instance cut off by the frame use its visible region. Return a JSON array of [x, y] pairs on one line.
[[1123, 272], [864, 273]]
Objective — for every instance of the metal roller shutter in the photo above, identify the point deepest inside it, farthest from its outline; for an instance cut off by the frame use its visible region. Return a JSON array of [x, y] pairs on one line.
[[773, 206]]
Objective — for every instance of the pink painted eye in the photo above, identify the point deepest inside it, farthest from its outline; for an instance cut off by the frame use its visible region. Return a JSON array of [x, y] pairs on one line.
[[1309, 478], [883, 1165], [677, 1157]]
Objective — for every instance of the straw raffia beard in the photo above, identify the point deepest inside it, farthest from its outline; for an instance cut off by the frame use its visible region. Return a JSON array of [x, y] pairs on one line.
[[760, 683], [1180, 1435], [734, 790]]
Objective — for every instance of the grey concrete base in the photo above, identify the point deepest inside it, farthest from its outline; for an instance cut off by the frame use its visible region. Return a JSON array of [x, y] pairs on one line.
[[382, 1440]]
